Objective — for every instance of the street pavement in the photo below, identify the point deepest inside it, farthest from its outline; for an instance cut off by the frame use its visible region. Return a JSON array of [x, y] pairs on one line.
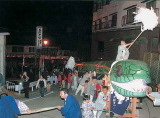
[[146, 108]]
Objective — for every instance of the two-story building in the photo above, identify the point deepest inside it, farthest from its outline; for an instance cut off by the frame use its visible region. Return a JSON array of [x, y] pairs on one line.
[[113, 21]]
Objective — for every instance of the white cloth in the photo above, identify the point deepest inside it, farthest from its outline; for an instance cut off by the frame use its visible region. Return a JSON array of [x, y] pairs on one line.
[[157, 98], [22, 107]]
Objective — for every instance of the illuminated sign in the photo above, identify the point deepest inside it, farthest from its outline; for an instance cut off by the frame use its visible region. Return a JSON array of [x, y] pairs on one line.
[[39, 33]]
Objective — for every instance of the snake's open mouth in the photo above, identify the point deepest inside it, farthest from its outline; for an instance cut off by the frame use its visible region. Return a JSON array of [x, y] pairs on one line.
[[137, 85]]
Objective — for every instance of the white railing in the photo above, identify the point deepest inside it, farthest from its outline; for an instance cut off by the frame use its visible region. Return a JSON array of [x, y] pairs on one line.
[[13, 87], [10, 86]]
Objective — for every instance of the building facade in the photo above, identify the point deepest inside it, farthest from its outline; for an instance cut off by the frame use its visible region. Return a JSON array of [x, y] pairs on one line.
[[113, 21], [28, 58]]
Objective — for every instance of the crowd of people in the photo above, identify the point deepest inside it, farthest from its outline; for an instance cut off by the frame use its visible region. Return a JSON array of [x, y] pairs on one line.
[[96, 94]]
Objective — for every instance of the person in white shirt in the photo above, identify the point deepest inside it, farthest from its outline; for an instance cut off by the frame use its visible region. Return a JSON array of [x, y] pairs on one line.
[[54, 79], [86, 76], [102, 102], [122, 53], [41, 84]]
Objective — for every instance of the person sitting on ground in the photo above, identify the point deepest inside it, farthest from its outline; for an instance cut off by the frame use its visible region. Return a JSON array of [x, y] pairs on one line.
[[71, 108], [87, 107]]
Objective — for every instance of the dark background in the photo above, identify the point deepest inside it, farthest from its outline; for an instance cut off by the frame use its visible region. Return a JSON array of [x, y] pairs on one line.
[[66, 24]]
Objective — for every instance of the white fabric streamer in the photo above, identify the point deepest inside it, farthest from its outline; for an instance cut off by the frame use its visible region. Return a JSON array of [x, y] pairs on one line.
[[70, 63], [148, 18]]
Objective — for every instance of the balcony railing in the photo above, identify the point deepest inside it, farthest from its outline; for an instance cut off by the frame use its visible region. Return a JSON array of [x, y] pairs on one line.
[[102, 25], [125, 20]]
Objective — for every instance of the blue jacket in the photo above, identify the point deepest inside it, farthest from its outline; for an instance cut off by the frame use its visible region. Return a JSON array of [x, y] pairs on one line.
[[71, 108], [8, 107]]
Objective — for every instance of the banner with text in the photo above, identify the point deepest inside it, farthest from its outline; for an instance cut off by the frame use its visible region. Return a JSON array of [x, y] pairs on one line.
[[39, 33]]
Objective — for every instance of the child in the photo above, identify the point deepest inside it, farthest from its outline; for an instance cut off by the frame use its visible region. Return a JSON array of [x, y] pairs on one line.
[[87, 107], [48, 87], [97, 90], [41, 84], [85, 86]]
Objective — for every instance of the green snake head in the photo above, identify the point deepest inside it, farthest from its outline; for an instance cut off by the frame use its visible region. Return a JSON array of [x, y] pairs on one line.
[[129, 78]]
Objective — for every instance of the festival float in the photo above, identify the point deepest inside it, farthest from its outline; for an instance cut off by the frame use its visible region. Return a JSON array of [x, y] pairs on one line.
[[129, 78]]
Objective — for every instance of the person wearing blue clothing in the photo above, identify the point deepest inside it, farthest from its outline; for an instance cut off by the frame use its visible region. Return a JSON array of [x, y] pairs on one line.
[[71, 108], [8, 107]]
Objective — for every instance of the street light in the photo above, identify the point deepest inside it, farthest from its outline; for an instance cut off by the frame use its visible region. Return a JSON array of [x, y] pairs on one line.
[[45, 42]]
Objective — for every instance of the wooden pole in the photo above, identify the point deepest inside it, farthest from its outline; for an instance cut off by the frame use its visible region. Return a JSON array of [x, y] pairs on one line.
[[39, 110], [136, 39]]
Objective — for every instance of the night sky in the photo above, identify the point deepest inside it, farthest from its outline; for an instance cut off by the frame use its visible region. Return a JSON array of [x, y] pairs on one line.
[[66, 24]]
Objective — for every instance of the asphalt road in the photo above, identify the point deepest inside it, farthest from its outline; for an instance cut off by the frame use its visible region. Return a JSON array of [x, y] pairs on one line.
[[147, 110]]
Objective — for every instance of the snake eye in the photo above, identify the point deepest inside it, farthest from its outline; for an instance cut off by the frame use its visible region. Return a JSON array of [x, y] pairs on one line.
[[119, 70]]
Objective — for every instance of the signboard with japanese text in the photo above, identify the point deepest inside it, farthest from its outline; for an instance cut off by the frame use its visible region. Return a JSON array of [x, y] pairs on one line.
[[39, 34]]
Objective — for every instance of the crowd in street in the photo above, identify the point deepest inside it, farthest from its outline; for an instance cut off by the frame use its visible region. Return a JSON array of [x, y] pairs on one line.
[[95, 92]]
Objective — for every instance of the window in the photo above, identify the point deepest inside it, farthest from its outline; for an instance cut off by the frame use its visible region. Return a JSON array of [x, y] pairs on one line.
[[105, 2], [97, 24], [99, 4], [17, 49], [14, 49], [130, 15], [95, 7], [151, 4], [154, 44], [100, 46], [100, 23], [114, 20], [31, 49]]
